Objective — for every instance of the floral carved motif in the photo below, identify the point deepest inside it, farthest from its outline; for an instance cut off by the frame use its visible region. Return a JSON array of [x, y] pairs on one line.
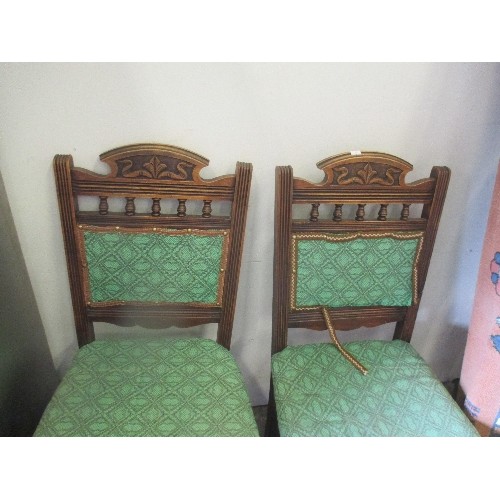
[[155, 168], [365, 174]]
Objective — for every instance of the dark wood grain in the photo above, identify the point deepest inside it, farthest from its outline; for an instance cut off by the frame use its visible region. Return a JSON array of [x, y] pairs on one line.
[[63, 165], [281, 270], [238, 223]]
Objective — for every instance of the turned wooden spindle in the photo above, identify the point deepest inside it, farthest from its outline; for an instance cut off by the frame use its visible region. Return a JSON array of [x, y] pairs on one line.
[[360, 212], [337, 213], [130, 206], [103, 205], [156, 209], [314, 212], [207, 208], [405, 212], [181, 209], [382, 213]]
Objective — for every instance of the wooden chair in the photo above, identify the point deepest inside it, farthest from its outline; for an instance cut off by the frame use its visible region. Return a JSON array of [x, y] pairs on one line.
[[155, 270], [363, 264]]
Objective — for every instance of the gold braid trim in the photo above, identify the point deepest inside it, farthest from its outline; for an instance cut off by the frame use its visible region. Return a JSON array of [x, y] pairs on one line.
[[337, 344], [410, 235]]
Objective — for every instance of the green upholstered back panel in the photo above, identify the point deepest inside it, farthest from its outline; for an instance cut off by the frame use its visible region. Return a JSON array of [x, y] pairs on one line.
[[173, 266], [354, 269], [166, 387], [319, 393]]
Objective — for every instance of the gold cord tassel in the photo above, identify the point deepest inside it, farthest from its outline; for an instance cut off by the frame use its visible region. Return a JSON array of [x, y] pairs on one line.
[[337, 344]]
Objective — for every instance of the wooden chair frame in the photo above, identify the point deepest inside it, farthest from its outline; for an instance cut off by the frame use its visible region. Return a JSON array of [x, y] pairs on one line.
[[353, 179], [156, 172]]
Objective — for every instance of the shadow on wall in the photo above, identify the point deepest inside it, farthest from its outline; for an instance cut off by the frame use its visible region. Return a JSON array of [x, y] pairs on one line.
[[27, 375], [449, 350]]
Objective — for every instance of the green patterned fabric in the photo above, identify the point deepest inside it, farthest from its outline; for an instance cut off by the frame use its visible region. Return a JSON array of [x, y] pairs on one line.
[[319, 393], [188, 387], [154, 267], [355, 270]]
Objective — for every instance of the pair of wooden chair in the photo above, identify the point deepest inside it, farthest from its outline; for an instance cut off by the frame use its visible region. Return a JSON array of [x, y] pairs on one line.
[[181, 269]]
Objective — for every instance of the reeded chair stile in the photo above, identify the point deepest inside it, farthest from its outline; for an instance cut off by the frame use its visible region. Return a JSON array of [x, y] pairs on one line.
[[155, 270], [363, 264]]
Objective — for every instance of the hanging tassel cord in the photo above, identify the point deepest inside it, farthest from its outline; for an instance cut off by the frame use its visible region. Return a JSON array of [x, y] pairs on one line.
[[336, 343]]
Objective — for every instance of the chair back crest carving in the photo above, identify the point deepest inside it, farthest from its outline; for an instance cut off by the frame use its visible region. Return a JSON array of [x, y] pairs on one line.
[[150, 161], [375, 170]]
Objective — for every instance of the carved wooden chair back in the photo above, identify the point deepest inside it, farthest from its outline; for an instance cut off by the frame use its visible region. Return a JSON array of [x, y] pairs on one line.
[[360, 258], [365, 199], [153, 269], [133, 262]]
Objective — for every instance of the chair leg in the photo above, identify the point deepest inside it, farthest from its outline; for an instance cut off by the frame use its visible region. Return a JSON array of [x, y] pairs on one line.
[[272, 429], [404, 329]]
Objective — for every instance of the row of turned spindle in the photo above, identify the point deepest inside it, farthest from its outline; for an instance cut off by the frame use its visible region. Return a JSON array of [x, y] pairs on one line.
[[207, 209], [155, 208], [360, 212]]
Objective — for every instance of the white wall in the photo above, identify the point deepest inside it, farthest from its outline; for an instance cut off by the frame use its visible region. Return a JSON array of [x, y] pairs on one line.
[[268, 114]]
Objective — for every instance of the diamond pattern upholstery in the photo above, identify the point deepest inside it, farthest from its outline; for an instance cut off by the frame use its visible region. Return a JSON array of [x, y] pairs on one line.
[[167, 387], [355, 269], [170, 267], [318, 393], [173, 266]]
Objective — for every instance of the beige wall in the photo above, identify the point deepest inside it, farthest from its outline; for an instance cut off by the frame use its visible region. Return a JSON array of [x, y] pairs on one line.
[[268, 114]]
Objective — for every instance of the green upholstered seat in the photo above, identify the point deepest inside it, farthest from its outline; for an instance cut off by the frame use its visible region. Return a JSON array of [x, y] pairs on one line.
[[319, 393], [168, 387]]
